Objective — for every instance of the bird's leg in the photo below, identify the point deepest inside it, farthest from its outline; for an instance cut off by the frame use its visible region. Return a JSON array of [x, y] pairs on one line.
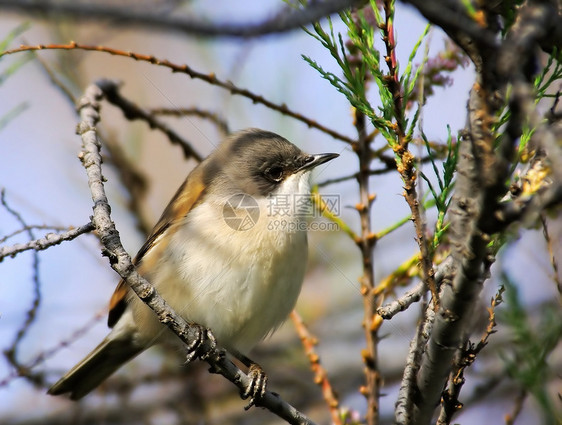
[[258, 380], [194, 348]]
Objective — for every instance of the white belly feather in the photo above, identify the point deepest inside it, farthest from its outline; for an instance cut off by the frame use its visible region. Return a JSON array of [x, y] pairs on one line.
[[240, 284]]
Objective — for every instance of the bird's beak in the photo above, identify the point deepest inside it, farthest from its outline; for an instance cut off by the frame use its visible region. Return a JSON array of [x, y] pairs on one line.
[[315, 160]]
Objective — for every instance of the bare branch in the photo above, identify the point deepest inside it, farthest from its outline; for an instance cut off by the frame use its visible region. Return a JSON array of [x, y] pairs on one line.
[[404, 411], [443, 272], [483, 169], [133, 112], [216, 119], [290, 19], [320, 374], [130, 175], [12, 352], [121, 262], [47, 241], [209, 78]]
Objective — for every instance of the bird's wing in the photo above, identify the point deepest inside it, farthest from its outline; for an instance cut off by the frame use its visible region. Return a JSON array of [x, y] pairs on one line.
[[187, 196]]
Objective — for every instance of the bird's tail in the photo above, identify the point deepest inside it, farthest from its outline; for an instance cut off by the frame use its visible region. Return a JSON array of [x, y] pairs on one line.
[[105, 359]]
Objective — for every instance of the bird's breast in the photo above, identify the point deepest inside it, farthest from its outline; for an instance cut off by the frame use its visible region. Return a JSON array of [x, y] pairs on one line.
[[237, 270]]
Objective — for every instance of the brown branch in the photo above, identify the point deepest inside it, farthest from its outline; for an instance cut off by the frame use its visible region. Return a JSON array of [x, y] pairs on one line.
[[483, 169], [405, 161], [217, 120], [553, 260], [320, 375], [290, 20], [131, 177], [209, 78], [366, 243], [133, 112], [121, 262], [510, 418]]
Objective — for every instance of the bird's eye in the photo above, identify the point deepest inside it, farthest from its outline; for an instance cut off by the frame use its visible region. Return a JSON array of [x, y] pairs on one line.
[[274, 173]]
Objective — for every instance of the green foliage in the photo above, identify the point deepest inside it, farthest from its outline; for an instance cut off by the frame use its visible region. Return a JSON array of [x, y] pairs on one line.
[[550, 75], [526, 360], [445, 181], [360, 62]]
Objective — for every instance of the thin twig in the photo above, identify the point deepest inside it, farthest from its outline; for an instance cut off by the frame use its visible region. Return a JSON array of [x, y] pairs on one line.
[[443, 272], [209, 78], [131, 177], [450, 403], [213, 117], [133, 112], [48, 353], [510, 418], [366, 243], [553, 261], [121, 262], [11, 353], [34, 227], [47, 241], [320, 374]]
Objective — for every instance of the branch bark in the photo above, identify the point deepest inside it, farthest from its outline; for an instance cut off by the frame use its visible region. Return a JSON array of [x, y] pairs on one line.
[[483, 169], [50, 239]]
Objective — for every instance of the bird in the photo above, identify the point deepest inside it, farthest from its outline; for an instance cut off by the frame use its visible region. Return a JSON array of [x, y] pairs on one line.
[[229, 254]]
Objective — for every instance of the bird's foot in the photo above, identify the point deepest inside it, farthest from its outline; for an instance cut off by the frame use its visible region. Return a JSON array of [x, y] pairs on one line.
[[257, 386], [196, 347]]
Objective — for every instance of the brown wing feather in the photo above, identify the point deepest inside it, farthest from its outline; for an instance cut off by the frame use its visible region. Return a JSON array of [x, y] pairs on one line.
[[187, 196]]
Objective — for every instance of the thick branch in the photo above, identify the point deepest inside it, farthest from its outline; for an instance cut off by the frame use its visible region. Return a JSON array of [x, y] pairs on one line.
[[121, 262]]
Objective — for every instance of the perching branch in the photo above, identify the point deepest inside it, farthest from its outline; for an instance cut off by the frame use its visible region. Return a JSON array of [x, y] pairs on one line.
[[121, 262]]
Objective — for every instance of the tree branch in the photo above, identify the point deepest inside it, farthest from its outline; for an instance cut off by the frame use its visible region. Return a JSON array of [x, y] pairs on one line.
[[50, 239], [289, 19], [121, 262], [184, 69], [483, 169], [133, 112], [444, 272]]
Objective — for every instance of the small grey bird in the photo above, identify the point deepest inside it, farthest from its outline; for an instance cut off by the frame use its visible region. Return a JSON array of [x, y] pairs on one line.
[[218, 255]]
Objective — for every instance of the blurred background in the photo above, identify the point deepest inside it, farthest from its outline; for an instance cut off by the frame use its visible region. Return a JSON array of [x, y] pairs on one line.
[[44, 182]]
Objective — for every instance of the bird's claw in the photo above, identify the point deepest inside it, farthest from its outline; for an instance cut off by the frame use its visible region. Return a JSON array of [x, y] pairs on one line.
[[194, 348], [257, 386]]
